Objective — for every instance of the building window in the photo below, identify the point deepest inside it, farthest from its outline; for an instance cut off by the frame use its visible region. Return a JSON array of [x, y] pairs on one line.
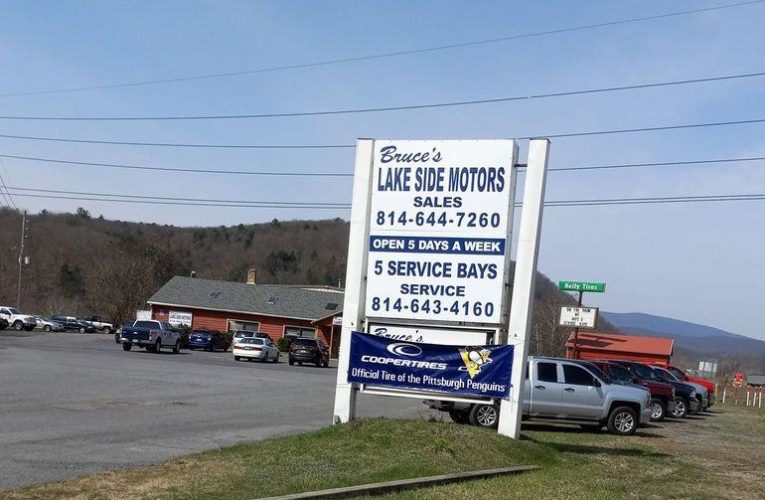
[[299, 331], [235, 325]]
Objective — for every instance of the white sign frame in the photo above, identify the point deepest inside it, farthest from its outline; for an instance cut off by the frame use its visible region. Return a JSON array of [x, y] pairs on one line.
[[440, 227], [579, 317], [519, 324]]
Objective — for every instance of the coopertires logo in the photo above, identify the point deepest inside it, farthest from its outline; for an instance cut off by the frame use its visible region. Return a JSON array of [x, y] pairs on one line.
[[401, 349]]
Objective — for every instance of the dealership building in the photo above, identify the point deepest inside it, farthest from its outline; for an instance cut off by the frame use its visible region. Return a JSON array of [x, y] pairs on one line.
[[276, 310]]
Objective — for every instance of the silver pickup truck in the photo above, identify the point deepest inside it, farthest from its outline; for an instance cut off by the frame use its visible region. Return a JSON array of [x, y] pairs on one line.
[[563, 390]]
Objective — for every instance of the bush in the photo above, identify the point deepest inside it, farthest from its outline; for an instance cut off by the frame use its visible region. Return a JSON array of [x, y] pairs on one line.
[[284, 344]]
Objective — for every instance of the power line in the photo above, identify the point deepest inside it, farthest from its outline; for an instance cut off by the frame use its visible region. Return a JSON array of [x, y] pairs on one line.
[[349, 174], [182, 170], [383, 55], [411, 107], [181, 145], [551, 203], [169, 198], [348, 146], [7, 195]]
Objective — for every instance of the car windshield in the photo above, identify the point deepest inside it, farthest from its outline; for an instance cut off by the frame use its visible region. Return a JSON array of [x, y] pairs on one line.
[[620, 374], [598, 372], [146, 324], [667, 374], [677, 373], [202, 334], [243, 334], [254, 341], [14, 311], [310, 342]]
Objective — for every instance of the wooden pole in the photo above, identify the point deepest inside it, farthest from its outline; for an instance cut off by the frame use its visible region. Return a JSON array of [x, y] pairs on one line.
[[576, 330]]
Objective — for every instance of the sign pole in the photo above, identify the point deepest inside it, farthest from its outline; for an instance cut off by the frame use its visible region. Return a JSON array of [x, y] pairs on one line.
[[576, 330], [355, 278], [522, 305]]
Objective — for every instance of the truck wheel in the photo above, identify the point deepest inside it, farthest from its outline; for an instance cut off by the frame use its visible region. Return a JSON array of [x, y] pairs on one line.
[[459, 416], [158, 347], [484, 415], [658, 410], [127, 346], [18, 325], [622, 421], [680, 409], [177, 347]]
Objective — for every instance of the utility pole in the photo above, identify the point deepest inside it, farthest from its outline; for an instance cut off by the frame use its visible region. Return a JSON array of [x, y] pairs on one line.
[[21, 256]]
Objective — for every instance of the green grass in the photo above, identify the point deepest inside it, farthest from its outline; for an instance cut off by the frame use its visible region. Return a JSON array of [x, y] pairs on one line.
[[719, 456]]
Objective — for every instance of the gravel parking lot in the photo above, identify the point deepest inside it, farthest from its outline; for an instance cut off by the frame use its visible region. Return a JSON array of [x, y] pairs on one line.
[[75, 404]]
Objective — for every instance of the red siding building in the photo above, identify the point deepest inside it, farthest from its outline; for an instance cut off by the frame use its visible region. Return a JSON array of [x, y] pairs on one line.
[[615, 346], [277, 310]]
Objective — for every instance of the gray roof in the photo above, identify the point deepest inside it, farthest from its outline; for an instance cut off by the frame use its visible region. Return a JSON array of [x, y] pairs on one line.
[[285, 301], [755, 379]]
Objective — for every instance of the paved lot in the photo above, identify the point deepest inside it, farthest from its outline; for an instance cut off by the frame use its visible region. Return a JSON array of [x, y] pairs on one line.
[[74, 404]]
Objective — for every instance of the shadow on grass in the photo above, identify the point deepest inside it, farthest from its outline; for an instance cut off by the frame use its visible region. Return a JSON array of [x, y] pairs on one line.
[[583, 449], [583, 429]]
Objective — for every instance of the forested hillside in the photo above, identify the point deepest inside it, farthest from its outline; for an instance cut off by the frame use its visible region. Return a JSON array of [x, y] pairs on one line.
[[85, 265]]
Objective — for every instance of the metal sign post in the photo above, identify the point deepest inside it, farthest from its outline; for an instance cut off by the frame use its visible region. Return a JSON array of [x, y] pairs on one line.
[[355, 277], [519, 325]]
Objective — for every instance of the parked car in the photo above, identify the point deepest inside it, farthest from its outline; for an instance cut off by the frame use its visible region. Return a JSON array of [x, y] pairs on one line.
[[702, 395], [309, 351], [99, 324], [244, 334], [251, 348], [118, 331], [153, 335], [3, 323], [17, 320], [685, 395], [684, 377], [73, 324], [561, 390], [662, 393], [48, 325], [209, 340]]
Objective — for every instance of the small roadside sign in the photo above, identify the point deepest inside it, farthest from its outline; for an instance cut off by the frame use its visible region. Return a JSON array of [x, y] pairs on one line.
[[581, 286], [738, 379], [579, 317]]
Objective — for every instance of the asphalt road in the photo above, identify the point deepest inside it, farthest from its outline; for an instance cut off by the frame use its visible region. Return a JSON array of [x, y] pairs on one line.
[[74, 404]]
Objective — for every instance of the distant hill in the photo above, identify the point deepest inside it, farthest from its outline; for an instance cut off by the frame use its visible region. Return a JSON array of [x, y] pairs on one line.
[[82, 264], [693, 341]]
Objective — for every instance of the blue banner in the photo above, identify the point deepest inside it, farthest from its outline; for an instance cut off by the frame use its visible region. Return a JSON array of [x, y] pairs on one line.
[[456, 370]]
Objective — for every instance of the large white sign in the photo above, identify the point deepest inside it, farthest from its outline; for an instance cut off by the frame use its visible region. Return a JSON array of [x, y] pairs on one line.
[[143, 315], [176, 318], [428, 335], [579, 317], [439, 230]]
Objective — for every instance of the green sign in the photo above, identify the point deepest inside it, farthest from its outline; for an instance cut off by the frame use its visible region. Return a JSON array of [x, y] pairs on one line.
[[581, 286]]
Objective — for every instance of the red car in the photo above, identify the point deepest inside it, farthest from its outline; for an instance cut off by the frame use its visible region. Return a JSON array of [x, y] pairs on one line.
[[662, 393]]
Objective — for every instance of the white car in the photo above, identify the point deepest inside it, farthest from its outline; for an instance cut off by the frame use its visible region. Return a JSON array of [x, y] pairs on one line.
[[256, 348], [16, 320]]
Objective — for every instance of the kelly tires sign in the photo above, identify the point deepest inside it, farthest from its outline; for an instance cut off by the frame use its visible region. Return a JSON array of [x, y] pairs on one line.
[[439, 230], [466, 371]]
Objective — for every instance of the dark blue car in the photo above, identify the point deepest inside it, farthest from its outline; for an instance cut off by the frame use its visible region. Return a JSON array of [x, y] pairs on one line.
[[209, 340]]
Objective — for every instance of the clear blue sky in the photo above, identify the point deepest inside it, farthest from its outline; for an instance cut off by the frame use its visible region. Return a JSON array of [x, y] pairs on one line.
[[697, 262]]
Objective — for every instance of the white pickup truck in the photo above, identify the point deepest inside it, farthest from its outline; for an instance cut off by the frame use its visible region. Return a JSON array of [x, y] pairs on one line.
[[16, 320]]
